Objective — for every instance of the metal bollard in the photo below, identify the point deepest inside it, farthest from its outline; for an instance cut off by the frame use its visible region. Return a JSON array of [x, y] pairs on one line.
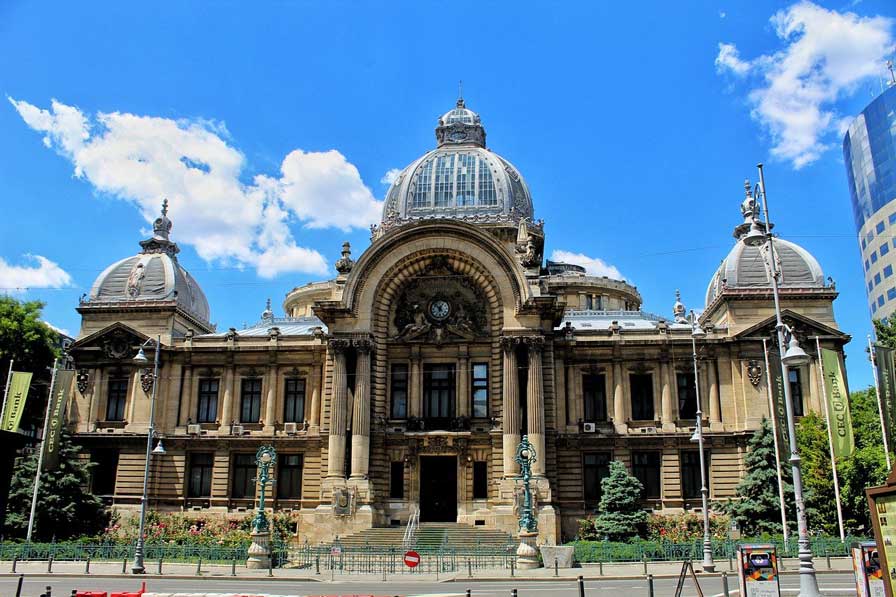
[[469, 572], [581, 580], [49, 592], [50, 565], [19, 588], [512, 592], [270, 564], [124, 565], [199, 567], [512, 562], [828, 558], [600, 568], [160, 565], [468, 592], [644, 561], [556, 567], [87, 565], [15, 560], [233, 567], [317, 564], [725, 591], [649, 585], [730, 561]]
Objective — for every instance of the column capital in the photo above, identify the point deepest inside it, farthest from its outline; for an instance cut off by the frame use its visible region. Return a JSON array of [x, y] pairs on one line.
[[509, 343], [363, 345], [339, 345], [534, 343]]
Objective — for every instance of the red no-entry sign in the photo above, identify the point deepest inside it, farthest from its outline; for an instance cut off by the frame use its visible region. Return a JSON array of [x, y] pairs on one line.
[[411, 559]]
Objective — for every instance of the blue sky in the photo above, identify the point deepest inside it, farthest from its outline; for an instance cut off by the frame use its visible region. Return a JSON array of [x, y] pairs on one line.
[[633, 126]]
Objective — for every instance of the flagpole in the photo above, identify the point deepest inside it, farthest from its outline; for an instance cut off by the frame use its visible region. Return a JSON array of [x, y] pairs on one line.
[[880, 408], [773, 416], [40, 456], [6, 392], [827, 419]]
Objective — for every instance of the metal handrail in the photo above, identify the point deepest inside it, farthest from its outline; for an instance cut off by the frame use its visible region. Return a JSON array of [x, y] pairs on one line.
[[410, 532]]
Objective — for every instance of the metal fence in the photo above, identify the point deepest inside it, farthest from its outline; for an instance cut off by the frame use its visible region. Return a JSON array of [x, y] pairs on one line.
[[380, 559]]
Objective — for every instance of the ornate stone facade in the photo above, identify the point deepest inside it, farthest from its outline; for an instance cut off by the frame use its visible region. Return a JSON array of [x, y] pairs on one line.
[[408, 380]]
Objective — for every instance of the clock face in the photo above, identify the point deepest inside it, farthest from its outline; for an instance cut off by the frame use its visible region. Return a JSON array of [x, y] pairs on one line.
[[457, 135], [439, 309]]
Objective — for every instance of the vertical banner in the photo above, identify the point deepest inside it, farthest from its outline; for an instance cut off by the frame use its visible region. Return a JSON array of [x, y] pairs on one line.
[[838, 405], [15, 402], [778, 401], [56, 409], [886, 381]]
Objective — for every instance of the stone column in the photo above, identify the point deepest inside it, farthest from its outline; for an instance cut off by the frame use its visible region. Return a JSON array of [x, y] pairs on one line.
[[560, 399], [619, 399], [414, 399], [270, 404], [227, 407], [668, 413], [315, 394], [463, 383], [361, 415], [188, 405], [338, 415], [510, 408], [715, 404], [535, 403]]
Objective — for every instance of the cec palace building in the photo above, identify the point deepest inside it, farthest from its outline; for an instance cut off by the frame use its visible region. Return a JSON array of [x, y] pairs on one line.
[[408, 380]]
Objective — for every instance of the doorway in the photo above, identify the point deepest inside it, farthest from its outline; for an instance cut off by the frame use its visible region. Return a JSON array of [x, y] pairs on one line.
[[438, 489]]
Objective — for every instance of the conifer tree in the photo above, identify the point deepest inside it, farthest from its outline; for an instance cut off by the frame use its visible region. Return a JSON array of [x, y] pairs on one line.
[[758, 509], [65, 508], [620, 516]]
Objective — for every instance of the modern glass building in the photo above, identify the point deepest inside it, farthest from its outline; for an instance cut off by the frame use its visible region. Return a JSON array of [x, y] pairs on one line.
[[869, 151]]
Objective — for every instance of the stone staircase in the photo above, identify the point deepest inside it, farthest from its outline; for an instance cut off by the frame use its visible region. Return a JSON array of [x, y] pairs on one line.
[[432, 536]]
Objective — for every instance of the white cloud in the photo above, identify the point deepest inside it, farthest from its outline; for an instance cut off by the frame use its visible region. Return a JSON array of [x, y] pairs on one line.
[[390, 176], [142, 159], [58, 330], [45, 274], [826, 55], [593, 265], [722, 14]]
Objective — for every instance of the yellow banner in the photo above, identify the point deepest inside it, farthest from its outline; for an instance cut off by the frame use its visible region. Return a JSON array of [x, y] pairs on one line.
[[15, 401], [58, 402], [838, 404]]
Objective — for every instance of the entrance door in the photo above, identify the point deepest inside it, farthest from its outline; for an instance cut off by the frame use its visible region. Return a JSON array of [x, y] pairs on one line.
[[438, 489]]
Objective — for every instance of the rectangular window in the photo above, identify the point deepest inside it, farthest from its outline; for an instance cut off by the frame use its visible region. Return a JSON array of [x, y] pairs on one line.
[[199, 482], [399, 387], [208, 401], [880, 301], [876, 279], [646, 468], [884, 249], [599, 303], [690, 474], [242, 484], [289, 479], [250, 400], [480, 480], [891, 294], [687, 395], [117, 397], [589, 302], [868, 265], [893, 218], [642, 396], [104, 472], [870, 285], [294, 400], [438, 391], [873, 308], [594, 395], [888, 271], [466, 180], [444, 180], [863, 241], [422, 192], [874, 257], [880, 227], [396, 480], [595, 467], [479, 389], [796, 391]]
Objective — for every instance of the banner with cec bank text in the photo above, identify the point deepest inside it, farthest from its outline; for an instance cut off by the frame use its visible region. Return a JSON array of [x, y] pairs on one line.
[[15, 401], [886, 381], [838, 404], [58, 400]]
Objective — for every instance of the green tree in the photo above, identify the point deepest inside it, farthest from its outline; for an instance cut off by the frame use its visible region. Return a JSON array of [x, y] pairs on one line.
[[64, 508], [758, 509], [620, 516], [885, 331], [818, 490]]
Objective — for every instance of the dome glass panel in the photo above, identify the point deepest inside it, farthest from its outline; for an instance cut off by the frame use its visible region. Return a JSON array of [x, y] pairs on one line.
[[454, 180]]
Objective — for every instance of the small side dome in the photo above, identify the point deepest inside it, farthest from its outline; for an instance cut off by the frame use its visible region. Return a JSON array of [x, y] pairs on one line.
[[744, 267], [153, 275]]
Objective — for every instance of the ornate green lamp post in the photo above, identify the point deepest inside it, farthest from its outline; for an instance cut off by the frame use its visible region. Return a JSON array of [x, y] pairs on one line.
[[527, 555], [260, 551]]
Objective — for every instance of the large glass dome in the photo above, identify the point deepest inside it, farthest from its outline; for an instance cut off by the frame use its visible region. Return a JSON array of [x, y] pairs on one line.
[[461, 179]]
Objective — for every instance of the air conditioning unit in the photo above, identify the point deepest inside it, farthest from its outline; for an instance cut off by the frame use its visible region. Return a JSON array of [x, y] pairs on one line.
[[647, 429], [589, 427], [194, 429], [290, 428], [236, 430]]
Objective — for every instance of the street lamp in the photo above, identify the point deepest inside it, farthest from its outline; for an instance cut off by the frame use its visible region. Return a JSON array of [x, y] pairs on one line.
[[140, 359], [708, 564], [792, 356]]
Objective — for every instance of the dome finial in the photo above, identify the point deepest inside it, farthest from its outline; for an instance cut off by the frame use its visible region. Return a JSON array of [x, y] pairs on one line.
[[165, 206], [267, 314], [678, 309], [162, 225], [460, 93]]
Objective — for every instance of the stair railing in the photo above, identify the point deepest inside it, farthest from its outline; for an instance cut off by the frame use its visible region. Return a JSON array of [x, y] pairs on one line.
[[410, 532]]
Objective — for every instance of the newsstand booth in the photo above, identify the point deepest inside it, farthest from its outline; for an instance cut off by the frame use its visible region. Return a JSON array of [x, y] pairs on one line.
[[868, 571], [758, 571], [882, 504]]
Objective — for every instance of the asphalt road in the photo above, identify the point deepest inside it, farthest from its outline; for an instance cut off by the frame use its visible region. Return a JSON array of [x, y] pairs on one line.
[[62, 586]]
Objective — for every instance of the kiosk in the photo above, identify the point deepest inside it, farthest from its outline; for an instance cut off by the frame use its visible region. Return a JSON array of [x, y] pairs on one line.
[[867, 568], [758, 571]]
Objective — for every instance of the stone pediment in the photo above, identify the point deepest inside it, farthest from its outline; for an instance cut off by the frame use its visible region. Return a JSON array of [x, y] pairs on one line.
[[804, 328], [117, 342]]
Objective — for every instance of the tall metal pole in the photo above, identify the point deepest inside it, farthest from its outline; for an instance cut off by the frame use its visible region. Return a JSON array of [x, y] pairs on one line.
[[808, 581], [138, 567], [771, 412], [827, 419], [708, 564], [40, 455], [6, 391], [880, 408]]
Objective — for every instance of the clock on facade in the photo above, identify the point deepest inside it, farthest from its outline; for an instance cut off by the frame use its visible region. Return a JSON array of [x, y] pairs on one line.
[[457, 136], [439, 309]]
